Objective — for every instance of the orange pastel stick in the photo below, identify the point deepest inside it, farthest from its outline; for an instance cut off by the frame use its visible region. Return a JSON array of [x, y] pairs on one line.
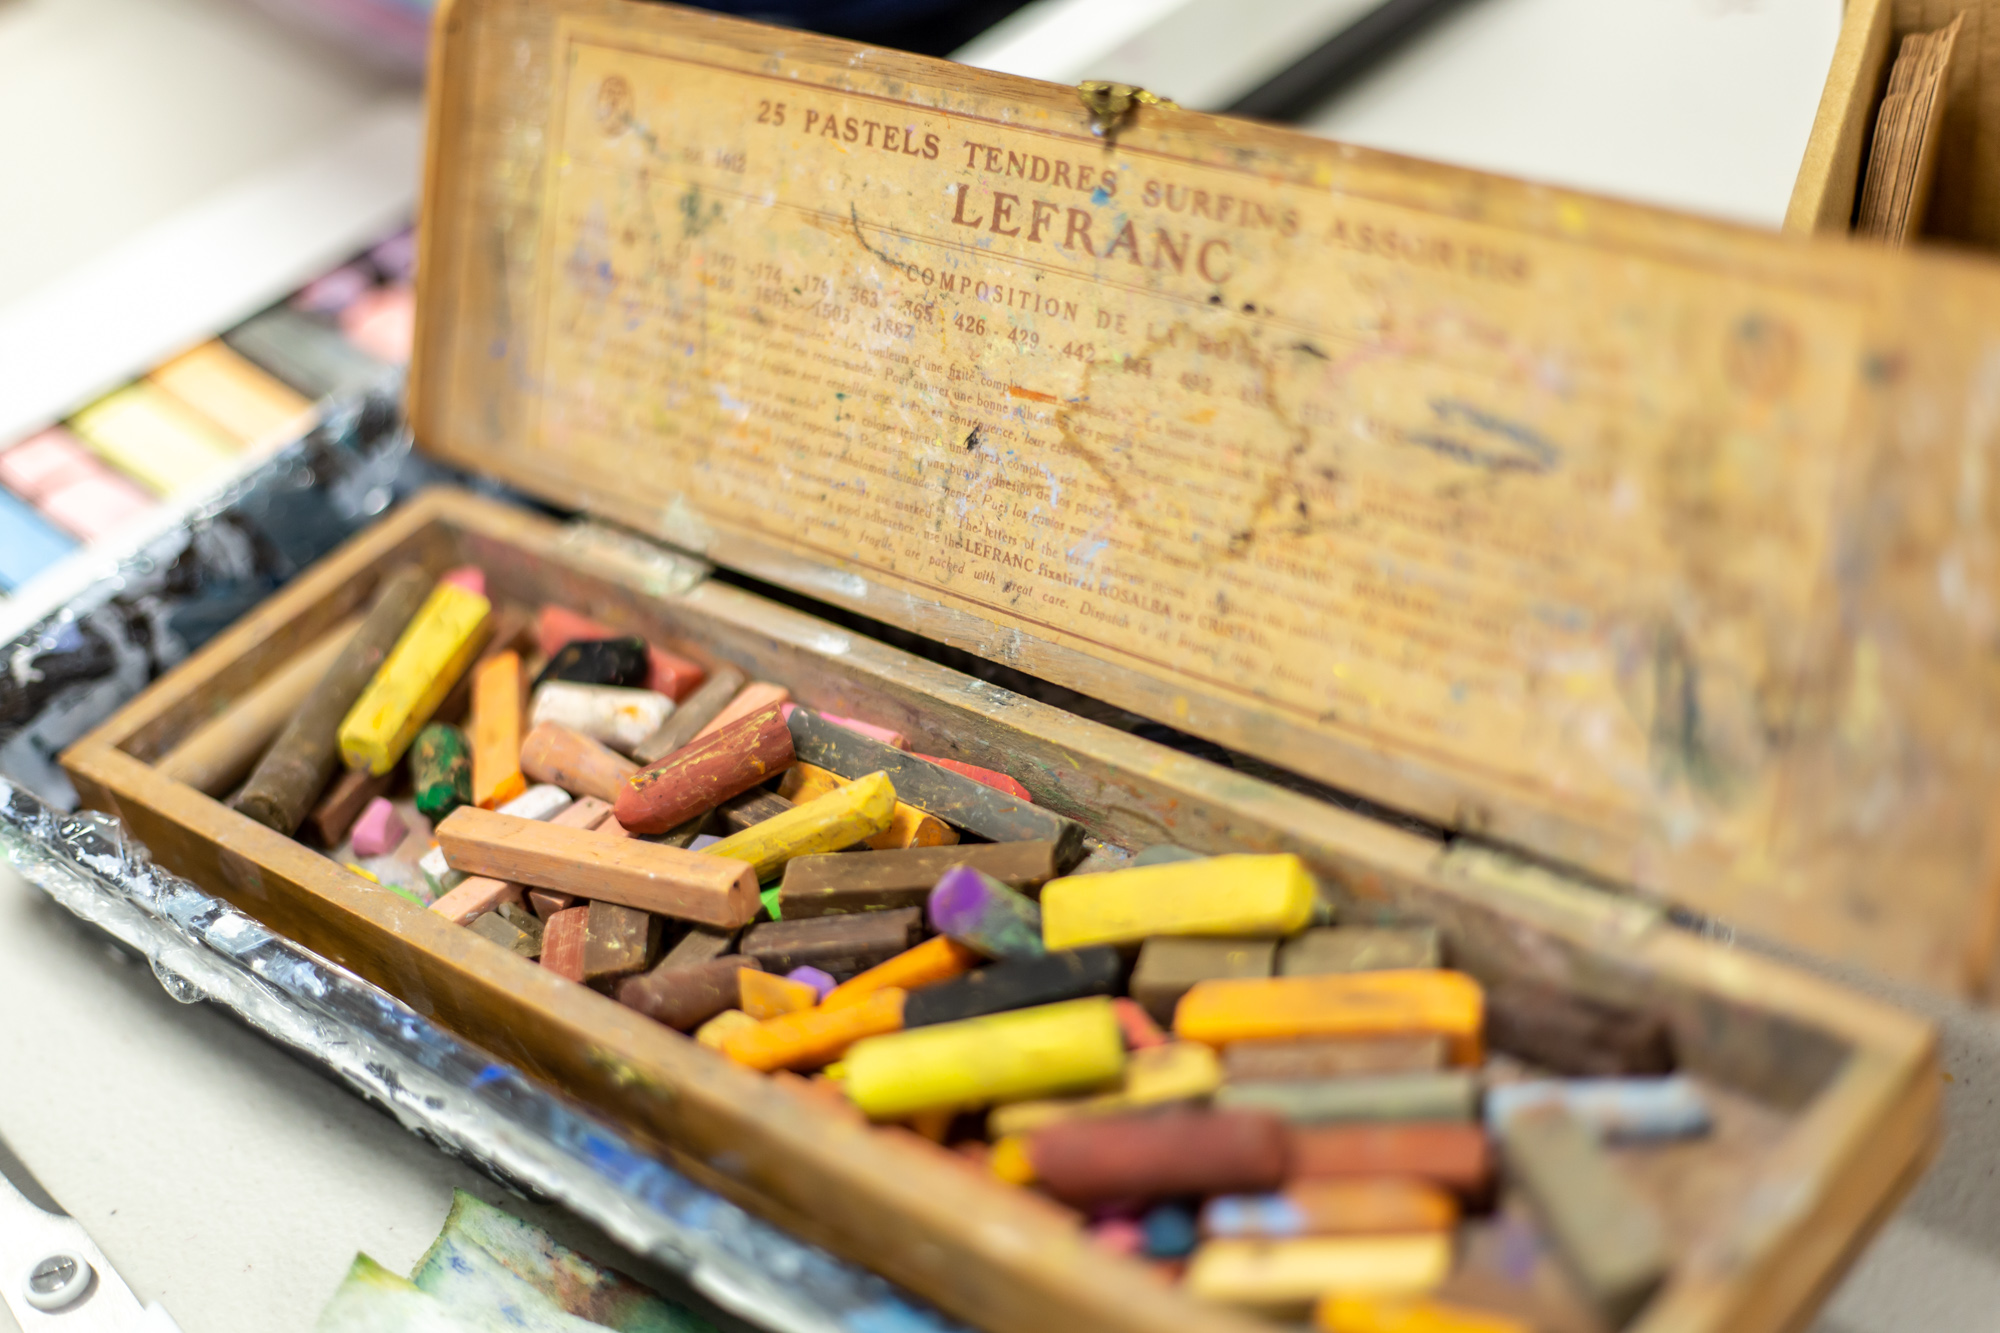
[[814, 1037], [936, 959], [1408, 1002], [496, 731]]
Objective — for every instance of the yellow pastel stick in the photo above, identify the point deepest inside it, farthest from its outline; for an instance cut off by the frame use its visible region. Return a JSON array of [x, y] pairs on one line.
[[1411, 1003], [155, 437], [836, 820], [1177, 1071], [1054, 1048], [910, 827], [1342, 1312], [1284, 1276], [436, 647], [1218, 895], [718, 1030], [767, 995]]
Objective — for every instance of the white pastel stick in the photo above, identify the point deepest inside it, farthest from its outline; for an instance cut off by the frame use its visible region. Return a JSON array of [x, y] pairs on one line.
[[608, 714]]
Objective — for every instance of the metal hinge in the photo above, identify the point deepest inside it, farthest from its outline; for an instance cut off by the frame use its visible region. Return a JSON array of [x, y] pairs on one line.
[[660, 570]]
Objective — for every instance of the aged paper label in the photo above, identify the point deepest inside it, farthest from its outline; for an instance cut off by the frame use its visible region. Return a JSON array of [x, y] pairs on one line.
[[1385, 473]]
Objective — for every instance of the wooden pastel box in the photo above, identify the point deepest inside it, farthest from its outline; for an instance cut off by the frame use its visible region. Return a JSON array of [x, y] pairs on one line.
[[1607, 561]]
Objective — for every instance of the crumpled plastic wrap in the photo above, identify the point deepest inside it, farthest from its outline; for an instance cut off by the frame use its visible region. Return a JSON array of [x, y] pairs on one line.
[[438, 1086], [82, 661], [145, 613]]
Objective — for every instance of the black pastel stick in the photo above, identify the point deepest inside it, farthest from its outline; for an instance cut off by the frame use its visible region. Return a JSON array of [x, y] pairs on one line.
[[978, 809], [1067, 974]]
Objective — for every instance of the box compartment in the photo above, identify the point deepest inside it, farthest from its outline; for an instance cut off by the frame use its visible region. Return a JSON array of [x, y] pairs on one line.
[[1827, 1101]]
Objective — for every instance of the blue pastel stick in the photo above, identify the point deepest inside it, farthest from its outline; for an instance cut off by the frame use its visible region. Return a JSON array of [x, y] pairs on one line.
[[29, 544], [1258, 1216], [1620, 1109], [982, 913]]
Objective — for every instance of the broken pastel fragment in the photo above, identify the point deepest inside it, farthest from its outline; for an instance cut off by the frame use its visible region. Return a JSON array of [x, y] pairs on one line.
[[982, 913]]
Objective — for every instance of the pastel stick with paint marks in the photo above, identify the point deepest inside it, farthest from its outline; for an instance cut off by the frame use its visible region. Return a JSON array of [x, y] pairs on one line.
[[699, 777], [434, 650], [869, 881], [957, 800]]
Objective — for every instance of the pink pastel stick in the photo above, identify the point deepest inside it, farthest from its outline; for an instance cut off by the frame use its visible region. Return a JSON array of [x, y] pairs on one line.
[[868, 729], [474, 898], [469, 577], [379, 830]]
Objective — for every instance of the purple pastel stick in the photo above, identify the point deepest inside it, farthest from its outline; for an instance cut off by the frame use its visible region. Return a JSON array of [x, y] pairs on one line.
[[982, 913], [812, 976], [379, 829]]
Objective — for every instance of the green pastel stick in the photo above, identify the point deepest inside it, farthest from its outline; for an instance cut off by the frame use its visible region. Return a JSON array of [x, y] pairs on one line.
[[441, 769]]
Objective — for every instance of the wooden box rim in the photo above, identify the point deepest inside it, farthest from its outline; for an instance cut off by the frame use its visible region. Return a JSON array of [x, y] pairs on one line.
[[1865, 1108]]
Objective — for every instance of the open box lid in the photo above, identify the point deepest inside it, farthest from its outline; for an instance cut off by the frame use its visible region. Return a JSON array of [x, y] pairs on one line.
[[1659, 548]]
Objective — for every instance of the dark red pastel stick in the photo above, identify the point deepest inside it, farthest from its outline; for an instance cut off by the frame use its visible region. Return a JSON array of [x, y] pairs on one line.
[[701, 776]]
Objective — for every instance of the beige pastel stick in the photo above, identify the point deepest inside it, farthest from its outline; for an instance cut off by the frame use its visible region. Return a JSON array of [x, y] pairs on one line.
[[626, 871], [575, 763], [481, 894], [221, 751]]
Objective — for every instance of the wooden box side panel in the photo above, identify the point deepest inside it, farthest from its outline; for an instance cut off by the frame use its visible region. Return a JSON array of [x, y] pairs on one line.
[[1829, 178], [1858, 1071]]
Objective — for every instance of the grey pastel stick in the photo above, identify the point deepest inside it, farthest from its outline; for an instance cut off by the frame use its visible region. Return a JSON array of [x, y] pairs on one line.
[[1608, 1235], [294, 771], [695, 712], [978, 809]]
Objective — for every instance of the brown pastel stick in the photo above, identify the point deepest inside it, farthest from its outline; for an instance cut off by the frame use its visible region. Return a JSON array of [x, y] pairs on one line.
[[1456, 1156], [215, 755], [626, 871], [545, 903], [841, 882], [1285, 1061], [748, 810], [1097, 1159], [693, 713], [700, 945], [1333, 949], [562, 942], [343, 803], [577, 764], [685, 997], [750, 751], [1171, 965], [752, 698], [840, 945], [294, 771], [618, 941]]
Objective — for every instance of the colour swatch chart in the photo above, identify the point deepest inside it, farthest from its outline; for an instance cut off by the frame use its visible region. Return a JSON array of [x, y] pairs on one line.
[[203, 416]]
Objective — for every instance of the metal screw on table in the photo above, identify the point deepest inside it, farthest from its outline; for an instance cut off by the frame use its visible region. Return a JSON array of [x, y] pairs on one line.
[[58, 1281]]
